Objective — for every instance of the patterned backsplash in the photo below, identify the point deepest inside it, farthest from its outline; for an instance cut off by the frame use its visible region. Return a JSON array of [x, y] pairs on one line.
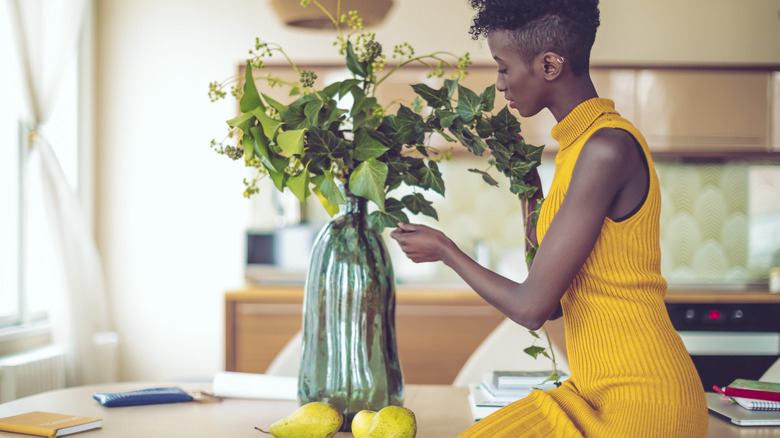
[[720, 223]]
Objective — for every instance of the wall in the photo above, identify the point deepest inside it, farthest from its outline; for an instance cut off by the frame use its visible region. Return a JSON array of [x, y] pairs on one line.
[[720, 222], [170, 217]]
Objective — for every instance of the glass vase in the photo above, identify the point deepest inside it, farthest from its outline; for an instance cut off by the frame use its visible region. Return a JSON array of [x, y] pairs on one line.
[[349, 355]]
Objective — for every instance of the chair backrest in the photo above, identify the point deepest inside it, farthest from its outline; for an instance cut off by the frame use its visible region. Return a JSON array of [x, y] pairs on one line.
[[502, 350], [288, 361]]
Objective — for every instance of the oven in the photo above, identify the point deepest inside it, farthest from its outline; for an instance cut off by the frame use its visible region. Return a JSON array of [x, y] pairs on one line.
[[728, 338]]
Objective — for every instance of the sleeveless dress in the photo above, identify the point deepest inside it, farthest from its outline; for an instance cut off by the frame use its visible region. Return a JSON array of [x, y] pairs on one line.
[[631, 376]]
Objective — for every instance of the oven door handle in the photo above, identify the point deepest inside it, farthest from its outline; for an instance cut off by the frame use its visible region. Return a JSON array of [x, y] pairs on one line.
[[709, 343]]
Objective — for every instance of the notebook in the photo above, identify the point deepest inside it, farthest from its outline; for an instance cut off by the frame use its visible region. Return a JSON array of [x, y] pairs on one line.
[[739, 415], [755, 404]]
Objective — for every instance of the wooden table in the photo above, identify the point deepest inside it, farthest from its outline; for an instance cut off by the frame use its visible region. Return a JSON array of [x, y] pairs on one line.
[[442, 412]]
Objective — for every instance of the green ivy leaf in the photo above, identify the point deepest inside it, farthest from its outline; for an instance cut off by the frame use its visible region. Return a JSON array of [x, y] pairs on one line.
[[435, 98], [349, 86], [469, 104], [531, 152], [411, 126], [330, 190], [365, 147], [519, 169], [280, 107], [291, 141], [358, 101], [312, 111], [484, 128], [552, 378], [488, 98], [294, 117], [299, 185], [446, 118], [241, 121], [332, 114], [388, 217], [247, 143], [260, 146], [251, 98], [269, 125], [430, 178], [368, 181], [356, 67], [323, 146], [279, 179], [330, 208], [416, 204], [505, 126], [534, 351], [362, 112], [529, 255], [472, 142], [451, 85], [485, 177], [397, 169]]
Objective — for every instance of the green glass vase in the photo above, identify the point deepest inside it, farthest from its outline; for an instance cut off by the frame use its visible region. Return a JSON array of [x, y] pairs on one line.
[[349, 355]]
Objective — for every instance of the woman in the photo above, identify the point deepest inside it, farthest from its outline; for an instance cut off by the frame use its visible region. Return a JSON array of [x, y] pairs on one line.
[[599, 252]]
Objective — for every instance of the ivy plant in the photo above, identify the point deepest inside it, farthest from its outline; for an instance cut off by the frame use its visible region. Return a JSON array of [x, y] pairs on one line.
[[311, 145]]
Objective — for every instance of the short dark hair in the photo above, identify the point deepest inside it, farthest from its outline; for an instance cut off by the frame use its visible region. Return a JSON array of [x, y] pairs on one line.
[[567, 27]]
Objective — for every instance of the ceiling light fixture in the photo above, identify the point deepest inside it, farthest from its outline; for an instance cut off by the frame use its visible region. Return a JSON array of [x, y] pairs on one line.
[[293, 14]]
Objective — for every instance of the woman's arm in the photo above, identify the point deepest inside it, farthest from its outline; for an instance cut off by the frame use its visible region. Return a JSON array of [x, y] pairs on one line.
[[606, 163]]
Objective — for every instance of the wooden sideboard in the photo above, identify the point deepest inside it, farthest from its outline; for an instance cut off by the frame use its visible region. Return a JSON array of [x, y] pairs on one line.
[[437, 329]]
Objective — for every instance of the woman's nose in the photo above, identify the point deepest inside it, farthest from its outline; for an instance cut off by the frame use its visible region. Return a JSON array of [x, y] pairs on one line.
[[500, 83]]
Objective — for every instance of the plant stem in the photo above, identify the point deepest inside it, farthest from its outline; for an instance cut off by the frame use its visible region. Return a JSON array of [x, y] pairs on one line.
[[330, 17], [420, 59], [552, 352]]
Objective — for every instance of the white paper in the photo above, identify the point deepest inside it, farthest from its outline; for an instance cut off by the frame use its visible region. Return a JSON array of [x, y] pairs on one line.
[[261, 386]]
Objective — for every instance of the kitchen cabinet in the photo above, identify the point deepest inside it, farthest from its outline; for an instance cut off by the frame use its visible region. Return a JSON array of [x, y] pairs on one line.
[[680, 110], [437, 329], [775, 143], [704, 110]]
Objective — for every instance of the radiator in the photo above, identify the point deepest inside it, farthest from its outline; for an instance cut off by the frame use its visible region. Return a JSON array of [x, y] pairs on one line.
[[31, 372]]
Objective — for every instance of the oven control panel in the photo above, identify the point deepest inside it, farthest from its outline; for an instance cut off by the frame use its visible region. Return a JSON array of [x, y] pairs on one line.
[[725, 317]]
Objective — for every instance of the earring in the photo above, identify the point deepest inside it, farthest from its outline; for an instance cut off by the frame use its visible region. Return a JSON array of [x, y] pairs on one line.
[[560, 59]]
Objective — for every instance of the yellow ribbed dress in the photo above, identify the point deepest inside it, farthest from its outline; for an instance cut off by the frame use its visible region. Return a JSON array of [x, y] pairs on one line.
[[631, 376]]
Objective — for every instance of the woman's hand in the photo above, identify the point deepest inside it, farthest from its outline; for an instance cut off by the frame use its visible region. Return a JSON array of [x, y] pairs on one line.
[[422, 243]]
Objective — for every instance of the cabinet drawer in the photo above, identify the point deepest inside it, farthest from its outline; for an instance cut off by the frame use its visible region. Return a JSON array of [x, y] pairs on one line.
[[436, 332]]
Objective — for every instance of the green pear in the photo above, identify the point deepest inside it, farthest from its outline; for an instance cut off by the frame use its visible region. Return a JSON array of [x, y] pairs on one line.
[[312, 420], [361, 423], [393, 422]]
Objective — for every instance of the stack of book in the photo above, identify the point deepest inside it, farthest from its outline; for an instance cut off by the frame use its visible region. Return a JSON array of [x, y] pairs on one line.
[[500, 388], [753, 395]]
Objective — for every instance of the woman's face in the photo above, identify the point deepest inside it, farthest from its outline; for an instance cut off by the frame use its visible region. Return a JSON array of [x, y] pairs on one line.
[[521, 84]]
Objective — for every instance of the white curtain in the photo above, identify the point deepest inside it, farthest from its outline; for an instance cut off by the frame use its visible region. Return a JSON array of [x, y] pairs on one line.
[[47, 33]]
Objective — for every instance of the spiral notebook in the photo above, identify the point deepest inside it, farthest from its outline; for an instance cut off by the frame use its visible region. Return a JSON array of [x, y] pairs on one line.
[[757, 405], [739, 415]]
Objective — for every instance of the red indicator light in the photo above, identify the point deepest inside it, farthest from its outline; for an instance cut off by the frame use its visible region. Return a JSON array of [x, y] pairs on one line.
[[714, 314]]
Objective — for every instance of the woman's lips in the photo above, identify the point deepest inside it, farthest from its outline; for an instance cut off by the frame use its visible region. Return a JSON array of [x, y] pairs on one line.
[[511, 104]]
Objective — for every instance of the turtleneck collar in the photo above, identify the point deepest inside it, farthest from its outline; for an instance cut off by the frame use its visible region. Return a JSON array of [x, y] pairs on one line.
[[580, 118]]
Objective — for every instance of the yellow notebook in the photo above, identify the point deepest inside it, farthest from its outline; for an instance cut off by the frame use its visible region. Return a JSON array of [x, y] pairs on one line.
[[48, 424]]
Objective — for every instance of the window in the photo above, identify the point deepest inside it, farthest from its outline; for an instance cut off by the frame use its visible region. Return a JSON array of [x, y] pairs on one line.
[[26, 288], [10, 96]]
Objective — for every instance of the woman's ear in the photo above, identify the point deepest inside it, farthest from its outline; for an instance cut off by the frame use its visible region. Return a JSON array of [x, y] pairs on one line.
[[552, 65]]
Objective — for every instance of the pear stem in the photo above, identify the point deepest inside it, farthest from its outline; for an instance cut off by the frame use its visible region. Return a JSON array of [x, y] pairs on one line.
[[261, 430]]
